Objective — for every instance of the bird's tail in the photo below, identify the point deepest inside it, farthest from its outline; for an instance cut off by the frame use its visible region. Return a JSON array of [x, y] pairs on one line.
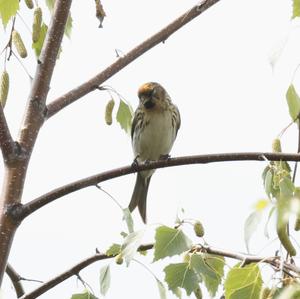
[[139, 195]]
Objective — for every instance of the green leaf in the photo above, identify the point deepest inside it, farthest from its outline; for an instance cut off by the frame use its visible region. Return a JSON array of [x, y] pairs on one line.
[[131, 244], [210, 268], [251, 225], [293, 101], [37, 46], [114, 249], [124, 116], [170, 241], [243, 283], [296, 8], [128, 219], [8, 9], [85, 295], [161, 289], [268, 181], [104, 279], [181, 276]]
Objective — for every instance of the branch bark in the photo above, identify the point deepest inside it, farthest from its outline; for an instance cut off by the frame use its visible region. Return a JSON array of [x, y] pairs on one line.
[[15, 279], [157, 38], [15, 173], [245, 258], [20, 212]]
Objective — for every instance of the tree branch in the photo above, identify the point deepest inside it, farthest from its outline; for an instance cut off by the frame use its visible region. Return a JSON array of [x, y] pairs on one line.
[[248, 258], [245, 258], [15, 173], [35, 112], [20, 212], [7, 144], [157, 38], [15, 279], [74, 271]]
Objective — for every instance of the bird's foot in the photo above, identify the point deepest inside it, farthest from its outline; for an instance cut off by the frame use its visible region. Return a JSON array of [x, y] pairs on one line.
[[164, 157], [135, 162], [148, 161]]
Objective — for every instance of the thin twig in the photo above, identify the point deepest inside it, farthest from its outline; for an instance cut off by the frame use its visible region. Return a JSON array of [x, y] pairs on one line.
[[90, 85], [74, 271], [15, 279], [274, 261], [20, 212]]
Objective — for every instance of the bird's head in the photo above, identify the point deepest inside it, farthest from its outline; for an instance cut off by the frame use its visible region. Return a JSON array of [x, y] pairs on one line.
[[152, 95]]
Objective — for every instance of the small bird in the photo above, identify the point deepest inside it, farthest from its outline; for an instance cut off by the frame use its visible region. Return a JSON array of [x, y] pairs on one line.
[[153, 132]]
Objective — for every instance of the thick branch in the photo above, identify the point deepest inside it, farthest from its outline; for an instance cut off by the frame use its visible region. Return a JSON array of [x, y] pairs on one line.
[[15, 173], [73, 271], [7, 144], [20, 212], [35, 112], [245, 258], [157, 38], [15, 279]]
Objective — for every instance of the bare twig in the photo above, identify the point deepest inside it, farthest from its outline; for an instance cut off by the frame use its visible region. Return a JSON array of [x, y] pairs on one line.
[[15, 279], [273, 261], [74, 271], [123, 61], [19, 213]]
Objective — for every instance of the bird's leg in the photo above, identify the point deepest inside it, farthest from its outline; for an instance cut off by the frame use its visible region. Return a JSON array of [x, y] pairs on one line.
[[135, 162], [164, 157]]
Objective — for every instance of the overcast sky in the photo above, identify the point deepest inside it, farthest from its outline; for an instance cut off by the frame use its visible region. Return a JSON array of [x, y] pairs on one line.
[[217, 70]]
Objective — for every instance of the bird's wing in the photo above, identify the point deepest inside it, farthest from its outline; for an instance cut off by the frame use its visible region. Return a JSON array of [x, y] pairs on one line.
[[134, 122], [177, 118]]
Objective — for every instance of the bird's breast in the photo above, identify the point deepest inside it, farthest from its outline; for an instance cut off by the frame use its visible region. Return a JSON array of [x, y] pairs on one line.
[[155, 137]]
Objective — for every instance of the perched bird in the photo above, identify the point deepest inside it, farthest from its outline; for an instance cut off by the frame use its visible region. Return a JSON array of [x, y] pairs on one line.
[[153, 132]]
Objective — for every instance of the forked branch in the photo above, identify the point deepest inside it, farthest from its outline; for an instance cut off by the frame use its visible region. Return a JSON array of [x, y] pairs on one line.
[[73, 271], [15, 279], [15, 173], [246, 258], [123, 61]]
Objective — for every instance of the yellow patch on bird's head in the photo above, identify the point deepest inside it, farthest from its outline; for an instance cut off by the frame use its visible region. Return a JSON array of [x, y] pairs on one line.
[[153, 96], [146, 89]]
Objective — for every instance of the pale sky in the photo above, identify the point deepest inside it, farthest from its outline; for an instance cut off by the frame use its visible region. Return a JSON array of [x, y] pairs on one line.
[[217, 70]]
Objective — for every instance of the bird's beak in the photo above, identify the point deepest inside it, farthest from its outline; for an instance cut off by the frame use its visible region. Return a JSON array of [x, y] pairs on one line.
[[148, 102]]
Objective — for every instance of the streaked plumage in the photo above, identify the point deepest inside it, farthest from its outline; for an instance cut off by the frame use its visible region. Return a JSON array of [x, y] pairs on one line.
[[154, 129]]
